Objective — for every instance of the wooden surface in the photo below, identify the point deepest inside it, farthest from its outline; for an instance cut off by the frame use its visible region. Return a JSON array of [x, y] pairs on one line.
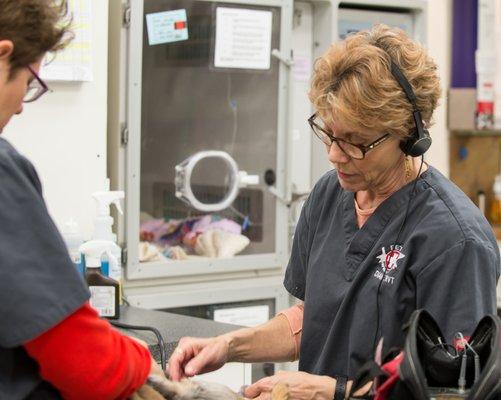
[[478, 169]]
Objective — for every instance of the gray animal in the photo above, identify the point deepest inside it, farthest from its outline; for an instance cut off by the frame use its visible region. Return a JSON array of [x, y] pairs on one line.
[[192, 390], [159, 387]]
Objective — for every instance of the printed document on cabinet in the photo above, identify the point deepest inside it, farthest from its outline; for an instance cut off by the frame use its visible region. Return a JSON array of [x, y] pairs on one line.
[[75, 62]]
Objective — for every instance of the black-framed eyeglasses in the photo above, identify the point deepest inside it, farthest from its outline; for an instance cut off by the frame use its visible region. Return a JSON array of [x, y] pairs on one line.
[[356, 151], [36, 88]]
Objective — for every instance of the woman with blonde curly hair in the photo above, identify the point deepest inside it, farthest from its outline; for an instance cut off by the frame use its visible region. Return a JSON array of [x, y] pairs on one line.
[[381, 235]]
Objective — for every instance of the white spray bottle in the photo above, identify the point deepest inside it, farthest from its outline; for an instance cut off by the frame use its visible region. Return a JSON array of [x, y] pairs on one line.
[[103, 228], [74, 240]]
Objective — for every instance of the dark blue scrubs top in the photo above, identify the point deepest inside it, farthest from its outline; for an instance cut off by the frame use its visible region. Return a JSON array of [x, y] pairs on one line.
[[448, 263], [39, 285]]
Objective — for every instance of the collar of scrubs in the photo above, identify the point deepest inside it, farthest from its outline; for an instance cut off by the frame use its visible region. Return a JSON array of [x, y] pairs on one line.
[[360, 241]]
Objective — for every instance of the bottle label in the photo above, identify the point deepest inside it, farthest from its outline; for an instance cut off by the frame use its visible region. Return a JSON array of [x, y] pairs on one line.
[[102, 299]]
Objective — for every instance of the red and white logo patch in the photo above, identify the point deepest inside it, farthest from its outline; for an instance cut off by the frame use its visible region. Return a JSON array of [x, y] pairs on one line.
[[388, 261]]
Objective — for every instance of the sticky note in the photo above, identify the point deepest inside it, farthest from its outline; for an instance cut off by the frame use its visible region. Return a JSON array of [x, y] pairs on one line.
[[167, 27]]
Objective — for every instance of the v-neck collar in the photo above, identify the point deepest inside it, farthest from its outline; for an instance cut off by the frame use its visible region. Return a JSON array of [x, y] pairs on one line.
[[360, 241]]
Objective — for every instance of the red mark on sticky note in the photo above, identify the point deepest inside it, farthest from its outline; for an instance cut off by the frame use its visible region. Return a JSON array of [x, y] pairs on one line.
[[180, 25]]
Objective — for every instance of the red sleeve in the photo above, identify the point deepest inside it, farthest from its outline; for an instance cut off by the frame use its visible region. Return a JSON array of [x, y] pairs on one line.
[[85, 358]]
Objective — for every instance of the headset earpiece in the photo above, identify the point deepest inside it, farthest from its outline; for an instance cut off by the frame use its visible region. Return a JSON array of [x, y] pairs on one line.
[[419, 140], [416, 145]]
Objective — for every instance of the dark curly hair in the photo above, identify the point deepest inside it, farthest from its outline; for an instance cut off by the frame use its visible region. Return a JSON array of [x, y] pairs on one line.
[[34, 27]]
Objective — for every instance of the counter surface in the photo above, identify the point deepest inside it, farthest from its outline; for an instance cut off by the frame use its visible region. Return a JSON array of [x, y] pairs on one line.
[[172, 327]]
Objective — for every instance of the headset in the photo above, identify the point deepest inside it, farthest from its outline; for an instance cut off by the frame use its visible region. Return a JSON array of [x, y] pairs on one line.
[[418, 142]]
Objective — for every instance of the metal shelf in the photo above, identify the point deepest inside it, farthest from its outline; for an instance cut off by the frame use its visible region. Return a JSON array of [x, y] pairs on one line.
[[476, 132]]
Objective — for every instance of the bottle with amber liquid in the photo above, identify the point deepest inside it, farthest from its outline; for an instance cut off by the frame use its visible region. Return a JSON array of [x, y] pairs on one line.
[[104, 291]]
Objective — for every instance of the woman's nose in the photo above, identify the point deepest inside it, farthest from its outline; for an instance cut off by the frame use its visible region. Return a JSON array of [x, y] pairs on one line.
[[336, 155]]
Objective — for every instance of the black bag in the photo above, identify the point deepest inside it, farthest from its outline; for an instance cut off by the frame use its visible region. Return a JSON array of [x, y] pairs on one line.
[[429, 368], [432, 369]]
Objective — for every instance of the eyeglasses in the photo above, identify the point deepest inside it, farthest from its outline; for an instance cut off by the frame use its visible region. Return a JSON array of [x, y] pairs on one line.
[[356, 151], [36, 88]]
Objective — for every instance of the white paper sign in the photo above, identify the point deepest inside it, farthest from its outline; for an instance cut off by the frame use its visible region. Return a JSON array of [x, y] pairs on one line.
[[302, 68], [244, 316], [167, 27], [243, 38], [74, 63]]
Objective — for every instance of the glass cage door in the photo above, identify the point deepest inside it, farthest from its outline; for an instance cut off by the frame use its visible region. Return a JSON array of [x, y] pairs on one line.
[[208, 81]]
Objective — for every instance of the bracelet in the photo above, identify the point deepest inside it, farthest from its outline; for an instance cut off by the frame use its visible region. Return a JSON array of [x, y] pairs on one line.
[[340, 391]]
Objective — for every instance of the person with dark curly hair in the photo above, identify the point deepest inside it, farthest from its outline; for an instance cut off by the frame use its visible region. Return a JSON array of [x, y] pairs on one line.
[[52, 343]]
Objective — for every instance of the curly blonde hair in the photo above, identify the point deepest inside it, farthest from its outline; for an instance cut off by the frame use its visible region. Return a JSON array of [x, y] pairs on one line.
[[352, 82]]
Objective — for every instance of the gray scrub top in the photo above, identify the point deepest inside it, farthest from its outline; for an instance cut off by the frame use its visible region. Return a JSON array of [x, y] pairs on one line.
[[448, 263], [39, 285]]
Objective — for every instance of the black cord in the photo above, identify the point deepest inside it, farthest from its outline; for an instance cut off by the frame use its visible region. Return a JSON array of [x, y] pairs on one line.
[[413, 192], [157, 333]]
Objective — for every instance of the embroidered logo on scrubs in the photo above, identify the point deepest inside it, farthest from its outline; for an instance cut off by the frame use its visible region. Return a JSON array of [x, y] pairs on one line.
[[388, 262]]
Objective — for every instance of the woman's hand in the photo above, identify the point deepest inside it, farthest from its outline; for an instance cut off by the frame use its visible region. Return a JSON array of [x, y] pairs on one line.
[[302, 386], [195, 356]]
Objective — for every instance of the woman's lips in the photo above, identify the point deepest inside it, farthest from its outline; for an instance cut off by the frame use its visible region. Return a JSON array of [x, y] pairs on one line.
[[344, 176]]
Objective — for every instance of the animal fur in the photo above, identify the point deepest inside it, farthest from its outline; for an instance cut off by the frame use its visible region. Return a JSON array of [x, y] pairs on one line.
[[200, 390], [192, 390]]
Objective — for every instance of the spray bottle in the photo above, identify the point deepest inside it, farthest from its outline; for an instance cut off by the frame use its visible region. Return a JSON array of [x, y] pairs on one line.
[[103, 229], [74, 240], [105, 292]]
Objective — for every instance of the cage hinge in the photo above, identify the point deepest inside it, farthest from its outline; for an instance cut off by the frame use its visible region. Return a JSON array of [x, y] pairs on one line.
[[127, 16], [124, 135]]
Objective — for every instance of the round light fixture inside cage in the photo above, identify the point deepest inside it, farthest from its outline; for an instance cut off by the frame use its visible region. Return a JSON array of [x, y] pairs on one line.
[[237, 179]]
